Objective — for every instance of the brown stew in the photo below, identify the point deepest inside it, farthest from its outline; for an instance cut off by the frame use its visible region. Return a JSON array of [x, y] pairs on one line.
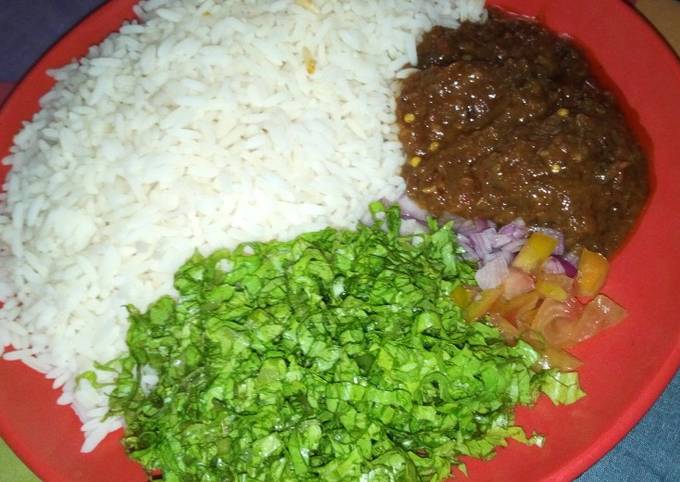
[[505, 119]]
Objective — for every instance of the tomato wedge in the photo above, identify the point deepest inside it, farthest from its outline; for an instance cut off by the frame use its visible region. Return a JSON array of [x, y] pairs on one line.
[[508, 330], [600, 313], [516, 283], [545, 309], [551, 310], [560, 359], [517, 306]]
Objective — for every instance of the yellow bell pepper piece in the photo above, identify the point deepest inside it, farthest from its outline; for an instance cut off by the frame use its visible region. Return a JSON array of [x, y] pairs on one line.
[[481, 305], [551, 290], [592, 273], [461, 296], [535, 251]]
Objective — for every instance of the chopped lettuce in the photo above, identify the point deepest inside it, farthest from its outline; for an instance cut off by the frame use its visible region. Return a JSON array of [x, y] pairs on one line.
[[336, 356], [562, 387]]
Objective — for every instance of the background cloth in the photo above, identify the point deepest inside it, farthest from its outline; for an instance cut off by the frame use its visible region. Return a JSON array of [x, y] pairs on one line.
[[650, 452]]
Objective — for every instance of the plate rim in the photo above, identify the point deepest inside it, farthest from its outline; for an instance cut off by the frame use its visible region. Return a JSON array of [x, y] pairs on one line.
[[590, 454]]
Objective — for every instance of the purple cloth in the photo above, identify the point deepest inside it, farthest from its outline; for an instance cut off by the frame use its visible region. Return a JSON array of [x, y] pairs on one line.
[[650, 453], [29, 27]]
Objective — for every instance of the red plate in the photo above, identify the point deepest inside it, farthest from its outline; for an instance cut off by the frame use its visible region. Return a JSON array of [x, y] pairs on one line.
[[626, 367]]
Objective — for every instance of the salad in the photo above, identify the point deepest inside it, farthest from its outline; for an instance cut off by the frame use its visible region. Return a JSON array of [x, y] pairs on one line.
[[339, 355]]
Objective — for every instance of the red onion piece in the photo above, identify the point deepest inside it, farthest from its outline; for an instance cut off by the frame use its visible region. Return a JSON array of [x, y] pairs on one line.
[[491, 247], [569, 268], [492, 273], [411, 210], [553, 266], [516, 229]]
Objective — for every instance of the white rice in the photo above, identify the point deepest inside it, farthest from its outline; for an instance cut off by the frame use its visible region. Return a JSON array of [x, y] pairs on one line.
[[198, 127]]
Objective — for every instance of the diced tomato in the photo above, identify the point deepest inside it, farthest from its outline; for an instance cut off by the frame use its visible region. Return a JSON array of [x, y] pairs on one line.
[[592, 273], [516, 283], [601, 312], [544, 308], [552, 309], [557, 321], [535, 251], [511, 309], [561, 331], [551, 356], [534, 338], [560, 359], [507, 329], [525, 319]]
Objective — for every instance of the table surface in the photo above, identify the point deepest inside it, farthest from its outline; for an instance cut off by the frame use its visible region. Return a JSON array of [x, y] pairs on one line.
[[649, 453]]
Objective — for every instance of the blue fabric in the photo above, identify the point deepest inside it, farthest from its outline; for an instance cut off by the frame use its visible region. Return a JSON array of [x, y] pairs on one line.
[[650, 453]]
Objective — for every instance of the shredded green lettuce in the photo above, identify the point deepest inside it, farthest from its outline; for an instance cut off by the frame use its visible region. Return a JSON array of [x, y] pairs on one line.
[[562, 387], [336, 356]]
